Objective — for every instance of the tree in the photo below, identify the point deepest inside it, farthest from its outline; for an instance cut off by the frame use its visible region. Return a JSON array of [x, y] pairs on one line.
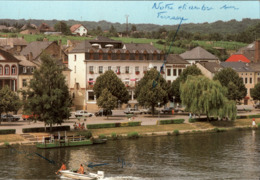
[[133, 28], [175, 86], [62, 27], [201, 95], [152, 89], [9, 100], [48, 94], [255, 92], [113, 84], [236, 89], [106, 100]]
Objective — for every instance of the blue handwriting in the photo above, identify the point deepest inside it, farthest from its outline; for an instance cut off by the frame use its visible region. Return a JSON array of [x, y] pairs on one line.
[[229, 7]]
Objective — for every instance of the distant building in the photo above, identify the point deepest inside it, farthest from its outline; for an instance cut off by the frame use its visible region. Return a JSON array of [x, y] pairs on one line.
[[209, 69], [251, 51], [45, 28], [238, 58], [199, 54], [30, 31], [79, 29], [13, 45]]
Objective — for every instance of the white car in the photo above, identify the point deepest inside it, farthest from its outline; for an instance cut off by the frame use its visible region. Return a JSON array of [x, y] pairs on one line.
[[83, 113]]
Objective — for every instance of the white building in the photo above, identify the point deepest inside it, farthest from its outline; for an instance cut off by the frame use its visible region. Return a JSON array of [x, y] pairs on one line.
[[78, 29]]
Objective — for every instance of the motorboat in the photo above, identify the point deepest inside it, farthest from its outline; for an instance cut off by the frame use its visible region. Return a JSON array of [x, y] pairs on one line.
[[88, 176]]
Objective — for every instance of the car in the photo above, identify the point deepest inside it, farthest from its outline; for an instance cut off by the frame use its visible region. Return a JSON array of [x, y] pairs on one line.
[[10, 117], [257, 106], [103, 112], [145, 111], [83, 113], [167, 110], [30, 117], [132, 111]]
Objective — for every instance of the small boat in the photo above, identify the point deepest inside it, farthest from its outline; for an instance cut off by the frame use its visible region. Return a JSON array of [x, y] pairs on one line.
[[89, 176], [99, 141]]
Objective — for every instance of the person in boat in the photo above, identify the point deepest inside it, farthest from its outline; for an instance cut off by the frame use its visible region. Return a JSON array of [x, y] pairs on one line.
[[81, 169], [63, 167]]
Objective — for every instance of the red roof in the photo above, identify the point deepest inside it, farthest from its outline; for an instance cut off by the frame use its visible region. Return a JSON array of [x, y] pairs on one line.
[[238, 58], [74, 27]]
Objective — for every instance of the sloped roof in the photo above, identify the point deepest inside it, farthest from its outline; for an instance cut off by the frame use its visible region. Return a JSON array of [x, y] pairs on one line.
[[24, 61], [175, 59], [12, 41], [238, 66], [81, 47], [7, 57], [140, 47], [75, 27], [104, 39], [238, 58], [36, 48], [198, 53], [248, 51], [212, 67]]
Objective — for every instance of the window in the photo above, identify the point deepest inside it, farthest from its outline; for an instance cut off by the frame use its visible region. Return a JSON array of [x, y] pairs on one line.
[[24, 70], [242, 74], [7, 70], [258, 74], [24, 82], [168, 72], [75, 57], [136, 69], [118, 70], [91, 96], [127, 69], [174, 72], [100, 69], [245, 80], [127, 55], [90, 81], [109, 68], [109, 55], [145, 69], [179, 72], [250, 80], [1, 70], [91, 69], [13, 70], [32, 69], [100, 54], [75, 69], [246, 74]]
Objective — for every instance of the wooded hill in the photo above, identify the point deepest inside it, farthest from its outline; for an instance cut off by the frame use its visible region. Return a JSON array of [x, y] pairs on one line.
[[221, 27]]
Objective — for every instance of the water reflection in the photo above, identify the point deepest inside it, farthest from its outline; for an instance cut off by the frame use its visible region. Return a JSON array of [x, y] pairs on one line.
[[228, 155]]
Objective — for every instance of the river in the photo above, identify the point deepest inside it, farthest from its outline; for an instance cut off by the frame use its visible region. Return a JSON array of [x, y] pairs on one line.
[[227, 155]]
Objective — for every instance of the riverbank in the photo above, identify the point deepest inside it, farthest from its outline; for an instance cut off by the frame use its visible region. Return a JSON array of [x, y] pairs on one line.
[[145, 131]]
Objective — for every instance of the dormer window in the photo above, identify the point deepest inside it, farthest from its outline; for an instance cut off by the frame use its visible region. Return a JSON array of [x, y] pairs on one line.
[[13, 70], [32, 69], [1, 70], [7, 70], [24, 70]]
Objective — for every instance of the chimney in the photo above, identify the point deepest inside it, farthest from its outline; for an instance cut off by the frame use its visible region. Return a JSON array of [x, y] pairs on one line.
[[257, 51]]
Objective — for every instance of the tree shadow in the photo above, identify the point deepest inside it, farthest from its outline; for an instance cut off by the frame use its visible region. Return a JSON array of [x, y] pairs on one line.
[[9, 124], [223, 123]]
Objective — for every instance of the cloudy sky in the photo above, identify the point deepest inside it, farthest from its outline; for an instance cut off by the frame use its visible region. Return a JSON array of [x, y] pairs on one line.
[[155, 12]]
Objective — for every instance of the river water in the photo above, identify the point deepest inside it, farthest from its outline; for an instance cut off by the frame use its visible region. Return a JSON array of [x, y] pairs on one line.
[[227, 155]]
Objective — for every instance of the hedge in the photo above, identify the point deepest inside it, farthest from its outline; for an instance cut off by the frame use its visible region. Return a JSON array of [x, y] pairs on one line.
[[171, 121], [42, 129], [112, 125], [249, 116], [7, 131]]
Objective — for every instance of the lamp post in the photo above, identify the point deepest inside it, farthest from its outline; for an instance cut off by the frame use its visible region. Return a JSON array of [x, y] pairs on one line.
[[158, 110], [173, 98], [119, 104]]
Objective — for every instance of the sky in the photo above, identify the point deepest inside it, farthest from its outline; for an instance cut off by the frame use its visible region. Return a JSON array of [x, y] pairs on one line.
[[152, 12]]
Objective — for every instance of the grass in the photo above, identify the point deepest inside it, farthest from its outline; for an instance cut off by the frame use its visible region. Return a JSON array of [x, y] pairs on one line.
[[225, 44], [10, 138]]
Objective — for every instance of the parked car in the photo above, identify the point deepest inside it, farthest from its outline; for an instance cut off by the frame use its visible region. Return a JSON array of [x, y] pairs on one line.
[[167, 110], [132, 111], [83, 113], [31, 116], [10, 117], [257, 106], [103, 112], [179, 109], [145, 111]]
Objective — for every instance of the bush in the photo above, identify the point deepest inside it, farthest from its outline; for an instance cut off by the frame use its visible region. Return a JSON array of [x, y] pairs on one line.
[[97, 126], [136, 123], [258, 125], [87, 134], [176, 132], [242, 117], [42, 129], [133, 135], [192, 120], [6, 143], [7, 131], [171, 121], [254, 116], [113, 135], [102, 136]]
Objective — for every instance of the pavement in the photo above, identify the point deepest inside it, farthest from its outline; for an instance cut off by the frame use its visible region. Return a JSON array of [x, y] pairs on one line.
[[118, 116]]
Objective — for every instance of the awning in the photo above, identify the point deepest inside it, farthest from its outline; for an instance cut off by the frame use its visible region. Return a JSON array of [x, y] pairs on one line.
[[91, 81], [132, 79]]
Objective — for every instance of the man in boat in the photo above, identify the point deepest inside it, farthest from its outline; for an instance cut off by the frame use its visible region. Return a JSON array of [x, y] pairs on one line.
[[81, 169], [63, 167]]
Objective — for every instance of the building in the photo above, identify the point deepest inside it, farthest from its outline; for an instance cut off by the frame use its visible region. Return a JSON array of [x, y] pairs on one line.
[[34, 50], [238, 58], [8, 70], [174, 66], [30, 31], [251, 51], [249, 72], [91, 58], [13, 45], [45, 28], [79, 29], [209, 69], [199, 54]]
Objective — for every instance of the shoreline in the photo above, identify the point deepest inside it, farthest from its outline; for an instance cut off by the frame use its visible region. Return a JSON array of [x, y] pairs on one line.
[[152, 134]]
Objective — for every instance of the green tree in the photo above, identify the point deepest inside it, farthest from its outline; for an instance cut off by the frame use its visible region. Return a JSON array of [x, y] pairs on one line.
[[133, 28], [201, 95], [9, 101], [236, 89], [152, 89], [113, 84], [175, 86], [255, 92], [106, 100], [47, 94], [62, 27]]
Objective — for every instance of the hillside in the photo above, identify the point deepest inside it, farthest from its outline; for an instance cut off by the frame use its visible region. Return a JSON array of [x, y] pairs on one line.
[[222, 27]]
